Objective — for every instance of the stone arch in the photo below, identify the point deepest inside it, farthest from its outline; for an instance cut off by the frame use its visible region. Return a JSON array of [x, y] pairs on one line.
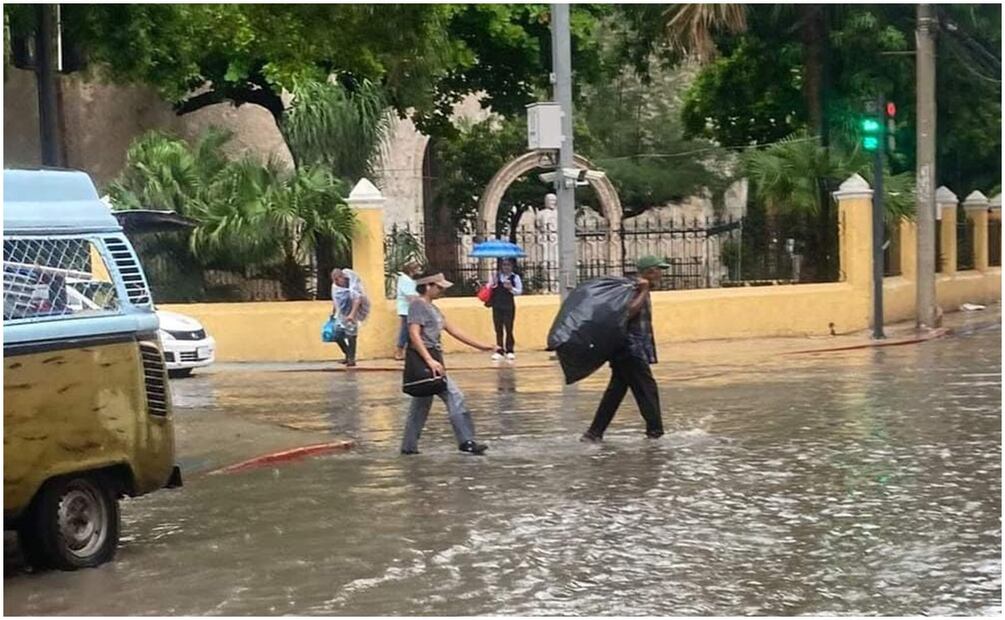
[[488, 205]]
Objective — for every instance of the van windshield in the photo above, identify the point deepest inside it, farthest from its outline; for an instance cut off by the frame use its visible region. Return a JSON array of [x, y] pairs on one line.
[[51, 277]]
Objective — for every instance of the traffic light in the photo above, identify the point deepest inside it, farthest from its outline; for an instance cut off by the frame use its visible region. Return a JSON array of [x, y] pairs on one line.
[[891, 127], [871, 133]]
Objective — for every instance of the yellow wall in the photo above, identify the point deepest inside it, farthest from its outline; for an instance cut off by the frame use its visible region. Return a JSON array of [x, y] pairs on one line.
[[291, 331]]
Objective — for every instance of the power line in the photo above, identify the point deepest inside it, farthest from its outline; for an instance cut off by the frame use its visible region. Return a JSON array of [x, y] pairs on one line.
[[711, 148]]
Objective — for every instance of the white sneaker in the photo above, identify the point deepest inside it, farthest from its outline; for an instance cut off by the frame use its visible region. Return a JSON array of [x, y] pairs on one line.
[[497, 357], [511, 356]]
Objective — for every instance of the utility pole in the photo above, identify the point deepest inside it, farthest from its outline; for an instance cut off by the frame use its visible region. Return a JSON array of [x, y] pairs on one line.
[[925, 206], [565, 188], [45, 72], [878, 229]]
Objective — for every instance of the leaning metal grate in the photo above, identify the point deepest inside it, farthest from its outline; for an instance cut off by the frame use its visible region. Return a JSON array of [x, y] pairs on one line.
[[46, 277], [129, 267], [155, 379]]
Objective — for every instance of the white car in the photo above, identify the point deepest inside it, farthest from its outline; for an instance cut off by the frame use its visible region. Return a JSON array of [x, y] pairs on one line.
[[186, 344]]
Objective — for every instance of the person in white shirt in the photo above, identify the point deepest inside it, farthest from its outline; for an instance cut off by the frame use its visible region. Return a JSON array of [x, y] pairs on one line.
[[505, 286], [406, 294]]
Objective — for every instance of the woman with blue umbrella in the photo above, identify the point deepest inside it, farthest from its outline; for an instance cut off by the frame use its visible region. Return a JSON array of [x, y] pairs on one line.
[[504, 285]]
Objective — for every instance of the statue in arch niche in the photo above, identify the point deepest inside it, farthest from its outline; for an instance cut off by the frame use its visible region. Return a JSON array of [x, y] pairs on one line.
[[537, 233]]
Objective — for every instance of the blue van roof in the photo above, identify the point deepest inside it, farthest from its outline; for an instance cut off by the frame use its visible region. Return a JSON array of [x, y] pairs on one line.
[[38, 201]]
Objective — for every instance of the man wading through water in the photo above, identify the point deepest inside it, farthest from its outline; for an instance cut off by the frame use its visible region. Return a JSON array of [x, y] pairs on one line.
[[630, 366]]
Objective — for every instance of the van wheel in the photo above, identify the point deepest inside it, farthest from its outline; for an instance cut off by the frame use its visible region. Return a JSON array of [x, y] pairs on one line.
[[178, 373], [74, 523]]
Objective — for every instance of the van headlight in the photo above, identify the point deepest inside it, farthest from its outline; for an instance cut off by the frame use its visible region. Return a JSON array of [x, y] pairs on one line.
[[165, 335]]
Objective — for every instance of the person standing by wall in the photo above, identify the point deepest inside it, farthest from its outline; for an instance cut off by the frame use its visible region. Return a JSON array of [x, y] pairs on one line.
[[505, 285], [350, 306], [406, 294], [425, 325], [630, 367]]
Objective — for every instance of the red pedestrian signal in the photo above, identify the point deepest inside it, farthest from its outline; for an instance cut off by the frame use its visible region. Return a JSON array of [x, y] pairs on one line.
[[891, 109]]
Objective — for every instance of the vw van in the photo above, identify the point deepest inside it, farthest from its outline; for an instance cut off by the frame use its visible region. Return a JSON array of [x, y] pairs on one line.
[[87, 410]]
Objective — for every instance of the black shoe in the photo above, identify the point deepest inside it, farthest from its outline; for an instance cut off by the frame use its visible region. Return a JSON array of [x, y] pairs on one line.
[[473, 447], [589, 437], [350, 364], [410, 452], [654, 434]]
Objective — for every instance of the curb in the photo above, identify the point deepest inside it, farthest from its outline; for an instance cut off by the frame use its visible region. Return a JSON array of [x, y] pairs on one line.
[[285, 456], [935, 333]]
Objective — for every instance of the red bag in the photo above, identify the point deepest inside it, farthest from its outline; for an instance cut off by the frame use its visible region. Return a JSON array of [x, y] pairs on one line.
[[485, 294]]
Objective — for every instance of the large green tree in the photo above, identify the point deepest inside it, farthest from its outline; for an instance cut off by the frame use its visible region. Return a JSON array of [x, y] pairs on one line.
[[426, 57]]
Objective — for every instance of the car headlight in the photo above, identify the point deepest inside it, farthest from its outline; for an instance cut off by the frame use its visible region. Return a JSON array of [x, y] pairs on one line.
[[165, 335]]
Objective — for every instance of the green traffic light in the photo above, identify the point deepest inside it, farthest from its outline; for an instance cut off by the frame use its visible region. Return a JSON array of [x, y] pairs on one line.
[[870, 125], [870, 143]]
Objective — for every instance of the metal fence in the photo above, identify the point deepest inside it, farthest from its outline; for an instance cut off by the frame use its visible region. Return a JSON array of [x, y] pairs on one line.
[[702, 253], [995, 243], [964, 243]]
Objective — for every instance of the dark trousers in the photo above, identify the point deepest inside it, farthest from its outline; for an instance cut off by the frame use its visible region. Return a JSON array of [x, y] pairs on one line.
[[630, 372], [347, 343], [503, 319]]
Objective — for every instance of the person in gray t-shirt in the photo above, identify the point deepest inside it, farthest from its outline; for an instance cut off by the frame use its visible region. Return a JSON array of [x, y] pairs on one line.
[[425, 326]]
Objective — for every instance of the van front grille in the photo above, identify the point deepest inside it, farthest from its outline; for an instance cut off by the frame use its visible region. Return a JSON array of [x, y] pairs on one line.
[[129, 267], [155, 379]]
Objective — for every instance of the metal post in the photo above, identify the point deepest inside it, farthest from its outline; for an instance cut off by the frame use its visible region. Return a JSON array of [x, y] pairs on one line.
[[565, 189], [877, 233], [48, 122], [925, 211]]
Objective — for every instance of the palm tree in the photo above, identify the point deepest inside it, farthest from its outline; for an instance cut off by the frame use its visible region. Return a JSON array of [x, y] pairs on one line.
[[342, 125], [248, 214], [787, 177]]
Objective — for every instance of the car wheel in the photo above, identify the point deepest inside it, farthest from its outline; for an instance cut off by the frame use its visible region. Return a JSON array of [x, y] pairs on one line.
[[73, 523], [178, 373]]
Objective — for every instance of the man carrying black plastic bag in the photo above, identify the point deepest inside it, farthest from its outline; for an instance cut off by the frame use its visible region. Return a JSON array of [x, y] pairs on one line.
[[630, 365]]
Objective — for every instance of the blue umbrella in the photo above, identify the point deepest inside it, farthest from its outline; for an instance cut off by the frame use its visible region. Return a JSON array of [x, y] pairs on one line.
[[497, 248]]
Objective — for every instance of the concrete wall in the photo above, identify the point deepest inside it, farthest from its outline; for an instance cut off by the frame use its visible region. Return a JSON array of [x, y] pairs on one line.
[[101, 120], [290, 331]]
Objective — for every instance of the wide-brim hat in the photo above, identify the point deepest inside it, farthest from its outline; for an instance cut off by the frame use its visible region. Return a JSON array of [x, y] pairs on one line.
[[437, 279]]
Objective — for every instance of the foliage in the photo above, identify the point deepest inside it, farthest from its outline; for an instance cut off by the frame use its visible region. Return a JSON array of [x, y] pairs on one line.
[[754, 93], [469, 160], [339, 128], [788, 176], [426, 57], [248, 214], [401, 248]]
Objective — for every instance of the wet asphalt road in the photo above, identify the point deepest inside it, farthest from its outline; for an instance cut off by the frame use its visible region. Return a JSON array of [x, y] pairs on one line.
[[865, 482]]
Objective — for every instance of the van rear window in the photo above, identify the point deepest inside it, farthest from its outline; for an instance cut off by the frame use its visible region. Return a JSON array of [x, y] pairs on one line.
[[51, 277]]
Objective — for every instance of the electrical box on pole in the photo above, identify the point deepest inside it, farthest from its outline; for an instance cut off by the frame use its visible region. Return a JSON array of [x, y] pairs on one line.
[[544, 125]]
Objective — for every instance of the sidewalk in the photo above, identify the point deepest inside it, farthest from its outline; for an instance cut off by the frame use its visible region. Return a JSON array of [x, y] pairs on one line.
[[697, 352]]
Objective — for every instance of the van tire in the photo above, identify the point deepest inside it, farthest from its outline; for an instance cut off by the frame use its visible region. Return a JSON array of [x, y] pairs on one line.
[[73, 523], [179, 373]]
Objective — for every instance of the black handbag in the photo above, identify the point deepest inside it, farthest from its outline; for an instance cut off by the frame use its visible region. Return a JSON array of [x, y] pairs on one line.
[[418, 379]]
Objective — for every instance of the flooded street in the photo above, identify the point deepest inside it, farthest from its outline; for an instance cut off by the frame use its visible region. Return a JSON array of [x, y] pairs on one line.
[[862, 482]]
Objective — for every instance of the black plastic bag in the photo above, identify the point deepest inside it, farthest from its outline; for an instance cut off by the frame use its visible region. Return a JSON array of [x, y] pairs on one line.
[[591, 326]]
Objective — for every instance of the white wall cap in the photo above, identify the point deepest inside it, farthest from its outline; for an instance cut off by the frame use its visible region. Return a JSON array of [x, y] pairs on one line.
[[854, 187], [365, 192], [945, 196], [976, 199]]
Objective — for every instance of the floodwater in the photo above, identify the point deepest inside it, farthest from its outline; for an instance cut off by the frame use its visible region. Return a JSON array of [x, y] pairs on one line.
[[865, 482]]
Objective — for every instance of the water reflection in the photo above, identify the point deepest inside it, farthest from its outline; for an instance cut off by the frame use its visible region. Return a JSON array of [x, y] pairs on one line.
[[862, 483]]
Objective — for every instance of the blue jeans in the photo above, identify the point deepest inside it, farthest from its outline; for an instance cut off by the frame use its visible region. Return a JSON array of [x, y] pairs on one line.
[[457, 411], [403, 333]]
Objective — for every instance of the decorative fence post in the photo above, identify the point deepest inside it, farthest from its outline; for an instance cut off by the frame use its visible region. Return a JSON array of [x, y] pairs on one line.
[[976, 207], [854, 199], [994, 238], [368, 261], [945, 204]]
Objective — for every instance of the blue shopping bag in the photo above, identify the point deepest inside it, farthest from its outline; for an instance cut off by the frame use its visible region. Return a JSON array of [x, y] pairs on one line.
[[328, 330]]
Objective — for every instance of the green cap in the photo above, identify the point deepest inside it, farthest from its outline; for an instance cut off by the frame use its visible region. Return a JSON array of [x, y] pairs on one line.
[[648, 262]]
